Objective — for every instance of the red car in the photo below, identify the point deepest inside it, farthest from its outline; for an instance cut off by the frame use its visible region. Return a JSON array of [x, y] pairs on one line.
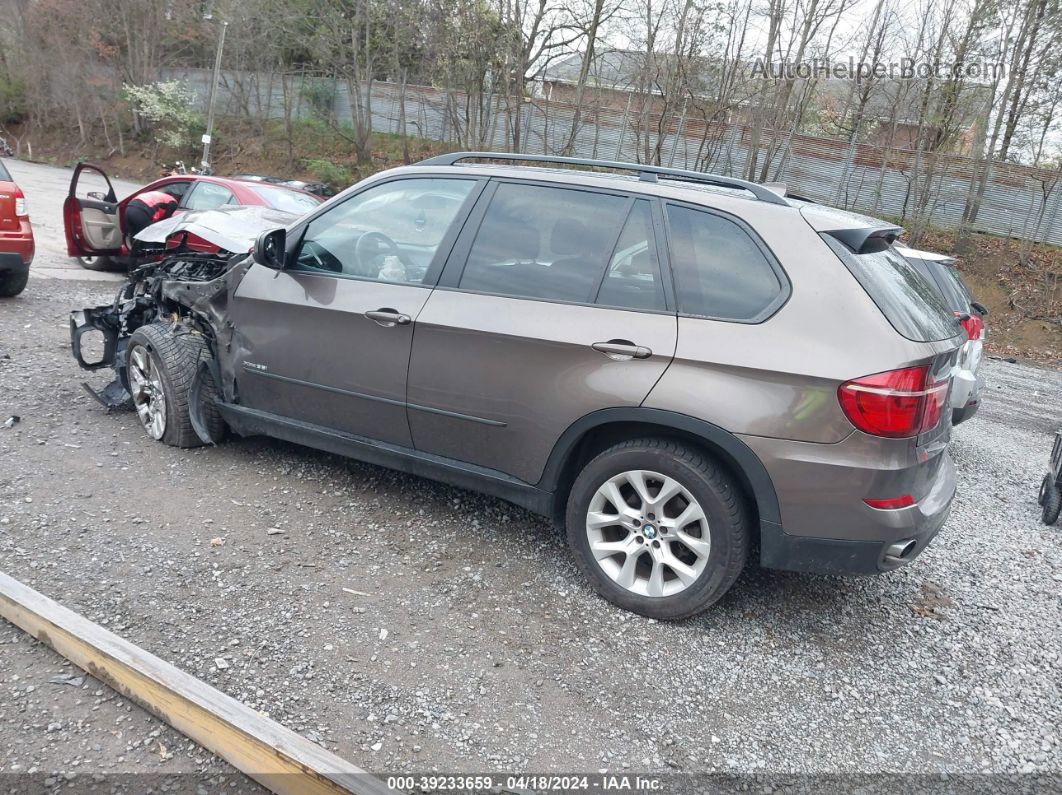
[[95, 222], [16, 237]]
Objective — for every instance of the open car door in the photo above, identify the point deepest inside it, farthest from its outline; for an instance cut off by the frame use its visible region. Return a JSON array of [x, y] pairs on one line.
[[93, 227]]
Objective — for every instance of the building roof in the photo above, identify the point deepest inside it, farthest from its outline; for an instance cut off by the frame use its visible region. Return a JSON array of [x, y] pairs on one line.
[[632, 71]]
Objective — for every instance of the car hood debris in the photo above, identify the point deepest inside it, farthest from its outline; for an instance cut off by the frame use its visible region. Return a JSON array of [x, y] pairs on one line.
[[227, 229]]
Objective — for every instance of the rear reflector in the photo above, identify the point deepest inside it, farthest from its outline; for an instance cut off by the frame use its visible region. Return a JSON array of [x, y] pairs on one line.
[[895, 404], [906, 501]]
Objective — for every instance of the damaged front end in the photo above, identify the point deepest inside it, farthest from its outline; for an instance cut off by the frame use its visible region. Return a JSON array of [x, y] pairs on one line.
[[159, 292], [186, 284]]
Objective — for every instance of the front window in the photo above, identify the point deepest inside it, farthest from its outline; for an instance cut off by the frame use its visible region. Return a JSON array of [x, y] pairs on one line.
[[208, 196], [389, 232], [287, 200]]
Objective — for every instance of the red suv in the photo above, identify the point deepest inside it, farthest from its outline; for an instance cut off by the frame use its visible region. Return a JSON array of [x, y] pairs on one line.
[[16, 237], [95, 221]]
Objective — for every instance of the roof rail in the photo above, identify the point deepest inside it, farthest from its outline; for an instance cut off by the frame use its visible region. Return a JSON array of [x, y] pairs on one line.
[[646, 173]]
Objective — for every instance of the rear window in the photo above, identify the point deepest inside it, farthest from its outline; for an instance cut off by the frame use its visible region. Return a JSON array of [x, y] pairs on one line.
[[4, 176], [913, 306], [950, 288]]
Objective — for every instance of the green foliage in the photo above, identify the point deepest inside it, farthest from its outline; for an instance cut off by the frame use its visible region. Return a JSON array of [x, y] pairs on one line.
[[335, 176], [319, 93], [14, 103], [167, 107]]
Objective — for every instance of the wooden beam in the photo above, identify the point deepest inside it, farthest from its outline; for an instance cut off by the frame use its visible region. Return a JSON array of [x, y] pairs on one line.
[[277, 758]]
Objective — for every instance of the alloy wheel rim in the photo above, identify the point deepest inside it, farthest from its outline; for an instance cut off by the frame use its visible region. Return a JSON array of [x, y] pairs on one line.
[[149, 399], [648, 533]]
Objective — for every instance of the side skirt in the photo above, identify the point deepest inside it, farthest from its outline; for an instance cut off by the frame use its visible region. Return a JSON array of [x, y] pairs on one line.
[[252, 422]]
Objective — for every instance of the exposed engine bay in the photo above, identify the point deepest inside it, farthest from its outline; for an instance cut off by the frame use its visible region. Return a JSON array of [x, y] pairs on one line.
[[179, 285]]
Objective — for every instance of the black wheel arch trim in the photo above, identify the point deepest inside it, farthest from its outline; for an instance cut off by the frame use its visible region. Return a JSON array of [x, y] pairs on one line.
[[742, 457]]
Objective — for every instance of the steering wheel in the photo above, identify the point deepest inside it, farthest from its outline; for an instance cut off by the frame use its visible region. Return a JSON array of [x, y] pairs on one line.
[[373, 244]]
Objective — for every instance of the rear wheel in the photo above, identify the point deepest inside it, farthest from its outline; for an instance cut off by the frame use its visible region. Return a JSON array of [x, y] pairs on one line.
[[658, 527], [161, 366], [97, 263], [12, 283]]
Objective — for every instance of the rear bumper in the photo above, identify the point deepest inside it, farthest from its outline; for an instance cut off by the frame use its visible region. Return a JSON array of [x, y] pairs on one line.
[[13, 263], [17, 248], [827, 528], [840, 556]]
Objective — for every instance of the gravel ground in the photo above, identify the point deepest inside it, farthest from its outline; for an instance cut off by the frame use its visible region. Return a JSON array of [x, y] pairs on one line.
[[409, 626]]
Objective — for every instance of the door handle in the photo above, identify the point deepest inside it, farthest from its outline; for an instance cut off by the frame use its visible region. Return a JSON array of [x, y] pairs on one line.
[[387, 317], [622, 350]]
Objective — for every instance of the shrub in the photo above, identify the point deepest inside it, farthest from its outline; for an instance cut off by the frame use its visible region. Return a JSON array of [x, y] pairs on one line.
[[167, 107]]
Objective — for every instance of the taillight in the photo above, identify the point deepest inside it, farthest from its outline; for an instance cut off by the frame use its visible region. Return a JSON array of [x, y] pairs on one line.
[[973, 323], [895, 404], [20, 203]]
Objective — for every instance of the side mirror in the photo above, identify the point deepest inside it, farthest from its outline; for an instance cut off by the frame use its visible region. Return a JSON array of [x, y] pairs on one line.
[[270, 249], [980, 308]]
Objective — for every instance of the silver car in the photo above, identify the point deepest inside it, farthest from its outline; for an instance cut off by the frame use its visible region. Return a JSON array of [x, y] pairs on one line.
[[939, 270]]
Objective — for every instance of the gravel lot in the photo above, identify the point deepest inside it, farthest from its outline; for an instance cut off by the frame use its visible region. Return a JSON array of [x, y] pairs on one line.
[[470, 642]]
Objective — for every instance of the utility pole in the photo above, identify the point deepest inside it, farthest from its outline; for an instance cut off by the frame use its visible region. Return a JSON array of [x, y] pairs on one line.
[[213, 98]]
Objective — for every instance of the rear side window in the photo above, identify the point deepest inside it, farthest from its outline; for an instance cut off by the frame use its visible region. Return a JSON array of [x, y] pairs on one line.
[[720, 271], [632, 280], [913, 306], [4, 176], [543, 242]]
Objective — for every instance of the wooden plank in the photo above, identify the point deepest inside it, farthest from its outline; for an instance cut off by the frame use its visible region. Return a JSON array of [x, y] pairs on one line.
[[276, 757]]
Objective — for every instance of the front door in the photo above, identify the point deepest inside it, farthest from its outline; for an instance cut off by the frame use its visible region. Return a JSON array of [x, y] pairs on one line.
[[551, 309], [90, 214], [329, 337]]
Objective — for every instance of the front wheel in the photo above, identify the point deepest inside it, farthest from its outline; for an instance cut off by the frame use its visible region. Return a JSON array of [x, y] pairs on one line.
[[97, 263], [659, 528], [161, 365]]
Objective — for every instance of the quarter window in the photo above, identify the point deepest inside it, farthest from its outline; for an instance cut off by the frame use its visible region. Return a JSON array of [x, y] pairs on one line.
[[389, 232], [543, 242], [719, 270]]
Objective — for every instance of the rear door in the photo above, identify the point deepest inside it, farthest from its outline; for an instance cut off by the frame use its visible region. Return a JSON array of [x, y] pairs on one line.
[[90, 214], [552, 306]]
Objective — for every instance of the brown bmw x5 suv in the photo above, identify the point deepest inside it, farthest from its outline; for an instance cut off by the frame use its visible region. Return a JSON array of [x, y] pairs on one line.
[[678, 367]]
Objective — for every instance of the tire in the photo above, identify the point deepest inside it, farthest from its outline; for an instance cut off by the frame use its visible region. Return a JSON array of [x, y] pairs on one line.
[[631, 580], [12, 283], [1052, 502], [97, 263], [161, 361]]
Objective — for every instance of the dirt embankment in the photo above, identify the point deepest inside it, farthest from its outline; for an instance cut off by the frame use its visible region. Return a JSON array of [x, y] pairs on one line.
[[1024, 300]]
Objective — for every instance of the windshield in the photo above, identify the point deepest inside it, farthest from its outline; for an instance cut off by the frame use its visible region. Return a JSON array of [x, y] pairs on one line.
[[287, 200]]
